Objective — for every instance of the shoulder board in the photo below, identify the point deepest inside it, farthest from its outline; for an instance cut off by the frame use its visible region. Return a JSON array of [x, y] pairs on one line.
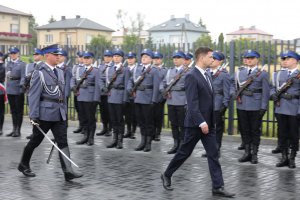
[[241, 68]]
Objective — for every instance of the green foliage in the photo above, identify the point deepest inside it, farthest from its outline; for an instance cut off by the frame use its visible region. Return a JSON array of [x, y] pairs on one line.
[[52, 19], [201, 23], [32, 31], [221, 42], [98, 45], [130, 42], [204, 40]]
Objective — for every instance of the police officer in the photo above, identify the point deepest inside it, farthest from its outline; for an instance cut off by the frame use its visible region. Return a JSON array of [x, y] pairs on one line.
[[188, 61], [64, 65], [103, 70], [252, 104], [75, 75], [287, 108], [49, 110], [221, 83], [3, 96], [116, 80], [176, 98], [25, 81], [159, 107], [146, 80], [15, 70], [130, 117], [88, 94]]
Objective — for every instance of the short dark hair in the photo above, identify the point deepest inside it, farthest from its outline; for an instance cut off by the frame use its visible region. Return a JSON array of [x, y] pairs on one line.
[[202, 51]]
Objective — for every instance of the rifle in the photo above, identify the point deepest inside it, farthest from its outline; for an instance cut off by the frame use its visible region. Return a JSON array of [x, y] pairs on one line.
[[167, 90], [191, 64], [84, 76], [284, 88], [247, 83], [139, 81], [112, 80], [219, 71]]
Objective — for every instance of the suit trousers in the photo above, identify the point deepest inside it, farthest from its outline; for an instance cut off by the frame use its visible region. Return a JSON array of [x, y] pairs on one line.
[[191, 138], [2, 109], [59, 131], [250, 126], [176, 116], [145, 118], [220, 124], [88, 111], [16, 103], [288, 126], [104, 112], [116, 117]]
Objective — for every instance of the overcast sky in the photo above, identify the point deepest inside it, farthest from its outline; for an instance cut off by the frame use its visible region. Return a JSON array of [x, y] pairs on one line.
[[278, 17]]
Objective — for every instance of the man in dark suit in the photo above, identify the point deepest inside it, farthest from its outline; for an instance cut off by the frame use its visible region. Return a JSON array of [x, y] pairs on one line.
[[199, 124]]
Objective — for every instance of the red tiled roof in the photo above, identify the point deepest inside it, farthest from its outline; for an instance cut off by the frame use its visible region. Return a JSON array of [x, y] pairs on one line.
[[248, 31]]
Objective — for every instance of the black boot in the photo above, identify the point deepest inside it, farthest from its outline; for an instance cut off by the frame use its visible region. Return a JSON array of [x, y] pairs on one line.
[[254, 159], [148, 144], [284, 159], [157, 134], [247, 155], [78, 130], [104, 130], [292, 164], [129, 131], [17, 133], [175, 147], [141, 146], [14, 126], [120, 140], [90, 141], [1, 124], [242, 146], [29, 136], [67, 166], [109, 131], [24, 163], [115, 140], [276, 150], [85, 137], [133, 132]]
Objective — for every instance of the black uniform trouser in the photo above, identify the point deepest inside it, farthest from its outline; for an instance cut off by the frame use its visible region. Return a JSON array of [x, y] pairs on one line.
[[16, 103], [2, 108], [88, 111], [59, 131], [145, 118], [278, 131], [116, 117], [250, 126], [159, 115], [77, 108], [129, 112], [191, 138], [176, 116], [220, 124], [105, 118], [288, 131]]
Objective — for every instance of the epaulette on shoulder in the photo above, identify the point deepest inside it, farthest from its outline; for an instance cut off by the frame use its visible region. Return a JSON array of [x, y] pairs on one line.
[[241, 68]]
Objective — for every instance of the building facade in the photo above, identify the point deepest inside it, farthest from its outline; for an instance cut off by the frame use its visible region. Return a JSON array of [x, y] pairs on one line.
[[251, 33]]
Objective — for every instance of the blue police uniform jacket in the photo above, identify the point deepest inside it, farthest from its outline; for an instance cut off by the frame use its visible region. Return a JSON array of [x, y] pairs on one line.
[[287, 106], [178, 97], [151, 81], [221, 83], [45, 85], [89, 90], [260, 88], [15, 71], [162, 73], [29, 70], [103, 69], [68, 76], [2, 76], [131, 70], [117, 94]]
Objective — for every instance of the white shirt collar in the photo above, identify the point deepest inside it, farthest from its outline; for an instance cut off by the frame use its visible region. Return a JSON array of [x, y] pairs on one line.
[[201, 70], [292, 70], [252, 69], [51, 67], [178, 68], [60, 65]]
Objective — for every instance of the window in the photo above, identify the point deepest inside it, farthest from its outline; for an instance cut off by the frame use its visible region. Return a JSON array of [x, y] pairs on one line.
[[14, 28], [15, 18], [69, 40], [49, 38], [89, 39]]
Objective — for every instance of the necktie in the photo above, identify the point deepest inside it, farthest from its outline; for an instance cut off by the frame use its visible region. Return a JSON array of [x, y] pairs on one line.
[[289, 75], [207, 80], [249, 72], [55, 72], [143, 68], [211, 73]]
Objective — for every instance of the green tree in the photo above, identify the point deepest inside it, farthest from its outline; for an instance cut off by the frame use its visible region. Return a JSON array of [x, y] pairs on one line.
[[221, 42], [204, 40], [149, 42], [51, 20], [130, 42], [99, 44], [32, 31]]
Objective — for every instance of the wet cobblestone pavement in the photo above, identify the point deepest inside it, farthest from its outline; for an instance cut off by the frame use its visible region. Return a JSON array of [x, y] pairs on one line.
[[111, 174]]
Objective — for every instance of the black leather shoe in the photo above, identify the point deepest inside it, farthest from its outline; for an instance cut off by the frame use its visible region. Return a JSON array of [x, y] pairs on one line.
[[276, 150], [29, 137], [78, 130], [166, 182], [221, 192], [26, 170], [241, 147], [204, 155], [71, 175]]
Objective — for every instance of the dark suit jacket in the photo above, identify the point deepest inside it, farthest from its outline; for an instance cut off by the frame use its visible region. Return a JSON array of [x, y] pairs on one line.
[[200, 102]]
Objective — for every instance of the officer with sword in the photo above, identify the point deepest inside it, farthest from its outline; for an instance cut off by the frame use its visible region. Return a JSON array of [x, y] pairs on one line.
[[48, 111]]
